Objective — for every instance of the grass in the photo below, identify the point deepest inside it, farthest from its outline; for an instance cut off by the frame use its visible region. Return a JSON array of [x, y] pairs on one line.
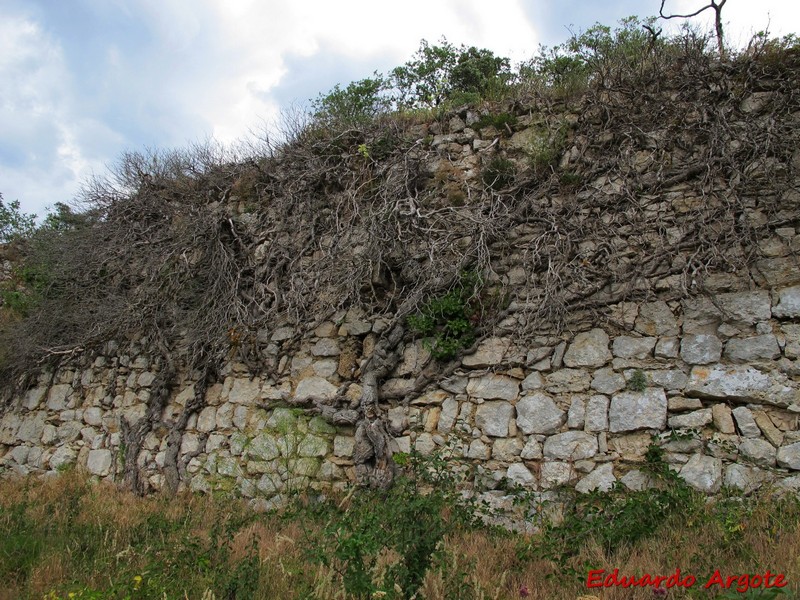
[[66, 535]]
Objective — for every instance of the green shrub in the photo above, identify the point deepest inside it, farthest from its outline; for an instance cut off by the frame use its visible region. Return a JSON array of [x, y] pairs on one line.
[[638, 381], [448, 321], [499, 174]]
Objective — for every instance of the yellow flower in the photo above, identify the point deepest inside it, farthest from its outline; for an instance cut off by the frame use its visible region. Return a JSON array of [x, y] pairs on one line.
[[137, 582]]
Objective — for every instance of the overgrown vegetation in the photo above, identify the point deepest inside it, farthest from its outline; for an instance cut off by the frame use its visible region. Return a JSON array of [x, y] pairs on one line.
[[194, 257], [67, 537]]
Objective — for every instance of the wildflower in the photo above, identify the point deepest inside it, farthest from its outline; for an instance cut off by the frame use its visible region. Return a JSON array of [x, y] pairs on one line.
[[524, 592], [137, 582], [659, 592]]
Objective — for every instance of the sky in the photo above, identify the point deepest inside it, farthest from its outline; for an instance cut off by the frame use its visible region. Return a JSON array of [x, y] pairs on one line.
[[83, 81]]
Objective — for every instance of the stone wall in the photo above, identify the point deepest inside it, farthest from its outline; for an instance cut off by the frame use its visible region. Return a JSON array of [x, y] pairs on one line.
[[702, 359], [713, 378]]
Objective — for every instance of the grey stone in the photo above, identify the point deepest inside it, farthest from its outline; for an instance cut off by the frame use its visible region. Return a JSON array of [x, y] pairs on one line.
[[745, 478], [700, 349], [538, 413], [703, 473], [758, 451], [263, 447], [791, 335], [454, 385], [668, 347], [506, 449], [493, 387], [316, 388], [746, 422], [398, 418], [776, 272], [343, 445], [633, 347], [93, 416], [534, 381], [602, 479], [577, 413], [225, 416], [519, 474], [557, 360], [490, 352], [555, 473], [532, 450], [669, 379], [33, 397], [31, 428], [635, 480], [789, 456], [415, 356], [99, 462], [146, 379], [638, 410], [588, 349], [571, 445], [313, 445], [700, 315], [745, 307], [567, 380], [760, 347], [326, 347], [478, 450], [679, 403], [57, 398], [692, 420], [494, 417], [207, 419], [597, 413], [244, 391], [767, 427], [745, 384], [606, 381], [63, 455], [447, 418], [723, 421], [788, 306], [656, 319]]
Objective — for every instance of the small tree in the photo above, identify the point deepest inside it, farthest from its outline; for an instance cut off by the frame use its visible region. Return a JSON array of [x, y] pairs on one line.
[[13, 222], [359, 102], [716, 5]]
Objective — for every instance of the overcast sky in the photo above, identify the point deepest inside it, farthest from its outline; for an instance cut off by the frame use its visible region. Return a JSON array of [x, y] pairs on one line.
[[81, 81]]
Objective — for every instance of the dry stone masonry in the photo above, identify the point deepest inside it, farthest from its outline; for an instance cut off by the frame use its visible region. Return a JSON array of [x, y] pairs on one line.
[[724, 405], [705, 363]]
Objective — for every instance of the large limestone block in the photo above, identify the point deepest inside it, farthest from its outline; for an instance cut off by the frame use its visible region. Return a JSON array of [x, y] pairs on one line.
[[597, 413], [538, 413], [571, 445], [601, 478], [745, 307], [633, 347], [244, 391], [789, 456], [490, 352], [57, 398], [744, 384], [567, 380], [759, 452], [99, 462], [760, 347], [493, 418], [703, 473], [493, 387], [692, 420], [607, 381], [638, 410], [519, 474], [588, 349], [701, 349], [746, 422], [788, 306], [656, 319], [315, 387]]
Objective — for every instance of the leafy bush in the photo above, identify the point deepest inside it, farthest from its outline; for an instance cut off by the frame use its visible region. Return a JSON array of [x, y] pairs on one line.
[[404, 528], [638, 381], [449, 319], [13, 223], [358, 103], [499, 173]]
